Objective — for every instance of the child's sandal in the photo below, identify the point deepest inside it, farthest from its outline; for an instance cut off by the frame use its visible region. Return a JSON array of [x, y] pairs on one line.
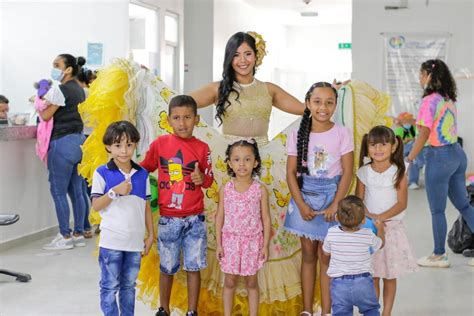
[[87, 234], [305, 313]]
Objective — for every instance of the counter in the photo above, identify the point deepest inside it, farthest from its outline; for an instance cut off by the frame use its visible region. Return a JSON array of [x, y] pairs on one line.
[[9, 133], [24, 186]]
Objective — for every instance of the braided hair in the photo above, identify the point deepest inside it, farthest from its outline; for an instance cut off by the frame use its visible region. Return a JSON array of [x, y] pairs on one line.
[[226, 86], [441, 81], [304, 131]]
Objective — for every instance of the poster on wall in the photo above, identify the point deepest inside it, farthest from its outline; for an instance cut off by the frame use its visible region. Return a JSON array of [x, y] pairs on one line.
[[403, 55], [95, 54]]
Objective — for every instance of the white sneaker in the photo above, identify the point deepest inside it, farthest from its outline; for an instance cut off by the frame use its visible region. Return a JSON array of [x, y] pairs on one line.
[[413, 186], [435, 261], [471, 263], [59, 243], [79, 241]]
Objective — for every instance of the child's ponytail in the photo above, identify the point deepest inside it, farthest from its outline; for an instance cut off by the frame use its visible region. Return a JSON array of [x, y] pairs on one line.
[[302, 146], [364, 149], [397, 159]]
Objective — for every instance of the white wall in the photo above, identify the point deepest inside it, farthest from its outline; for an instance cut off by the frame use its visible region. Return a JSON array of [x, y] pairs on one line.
[[454, 16], [33, 33], [230, 17], [198, 48]]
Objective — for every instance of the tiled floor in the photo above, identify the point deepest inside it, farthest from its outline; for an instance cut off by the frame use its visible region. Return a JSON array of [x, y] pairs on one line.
[[66, 283]]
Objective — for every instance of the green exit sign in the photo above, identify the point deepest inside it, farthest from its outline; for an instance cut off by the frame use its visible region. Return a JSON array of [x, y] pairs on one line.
[[345, 46]]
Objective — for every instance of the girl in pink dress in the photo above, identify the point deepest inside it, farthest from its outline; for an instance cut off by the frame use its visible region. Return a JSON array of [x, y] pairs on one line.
[[242, 224]]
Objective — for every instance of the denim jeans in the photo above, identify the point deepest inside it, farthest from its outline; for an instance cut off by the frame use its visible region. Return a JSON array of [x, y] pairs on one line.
[[64, 154], [187, 234], [85, 193], [445, 177], [416, 165], [119, 271], [354, 290]]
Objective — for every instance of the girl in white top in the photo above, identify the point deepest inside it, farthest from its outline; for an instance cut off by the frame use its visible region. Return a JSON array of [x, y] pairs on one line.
[[382, 184]]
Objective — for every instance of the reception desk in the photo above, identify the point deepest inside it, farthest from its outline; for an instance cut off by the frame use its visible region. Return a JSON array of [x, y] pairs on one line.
[[24, 186]]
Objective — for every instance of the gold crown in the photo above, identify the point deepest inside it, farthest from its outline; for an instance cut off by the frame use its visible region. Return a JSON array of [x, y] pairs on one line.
[[261, 47]]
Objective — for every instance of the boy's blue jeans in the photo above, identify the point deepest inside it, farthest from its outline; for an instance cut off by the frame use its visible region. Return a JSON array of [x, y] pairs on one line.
[[354, 290], [119, 271], [445, 177], [64, 154]]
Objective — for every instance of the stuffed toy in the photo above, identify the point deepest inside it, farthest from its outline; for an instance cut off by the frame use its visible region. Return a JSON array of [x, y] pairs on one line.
[[43, 132], [42, 87]]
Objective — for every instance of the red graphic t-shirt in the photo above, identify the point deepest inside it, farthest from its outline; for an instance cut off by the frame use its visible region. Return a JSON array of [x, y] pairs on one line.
[[175, 158]]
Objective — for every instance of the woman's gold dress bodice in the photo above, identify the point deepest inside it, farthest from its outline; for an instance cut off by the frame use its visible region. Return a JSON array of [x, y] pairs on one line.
[[248, 116]]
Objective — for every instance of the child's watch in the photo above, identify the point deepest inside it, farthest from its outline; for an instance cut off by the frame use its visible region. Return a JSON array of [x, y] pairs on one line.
[[111, 194]]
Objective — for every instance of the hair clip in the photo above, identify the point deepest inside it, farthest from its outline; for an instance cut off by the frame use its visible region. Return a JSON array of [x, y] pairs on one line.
[[248, 140], [433, 65]]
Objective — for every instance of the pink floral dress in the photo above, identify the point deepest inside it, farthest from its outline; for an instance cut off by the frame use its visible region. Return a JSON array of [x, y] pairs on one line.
[[242, 233]]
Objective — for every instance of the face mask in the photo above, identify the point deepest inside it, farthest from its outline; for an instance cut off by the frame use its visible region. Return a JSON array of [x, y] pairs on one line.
[[57, 74], [406, 126]]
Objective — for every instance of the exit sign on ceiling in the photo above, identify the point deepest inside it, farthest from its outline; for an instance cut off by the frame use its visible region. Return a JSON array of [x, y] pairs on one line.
[[345, 46]]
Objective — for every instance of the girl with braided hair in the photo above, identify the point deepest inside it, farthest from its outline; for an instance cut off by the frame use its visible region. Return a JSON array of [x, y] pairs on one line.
[[319, 172]]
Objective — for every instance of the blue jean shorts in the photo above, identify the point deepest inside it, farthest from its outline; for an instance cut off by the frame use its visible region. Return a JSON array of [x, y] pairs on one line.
[[187, 234], [318, 193]]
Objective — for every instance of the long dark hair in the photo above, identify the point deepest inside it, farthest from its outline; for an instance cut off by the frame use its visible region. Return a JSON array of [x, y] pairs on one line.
[[226, 86], [304, 131], [441, 81], [73, 62], [383, 134], [252, 144], [86, 76]]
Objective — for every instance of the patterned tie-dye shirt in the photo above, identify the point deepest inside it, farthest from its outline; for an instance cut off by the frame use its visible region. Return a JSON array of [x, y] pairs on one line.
[[439, 115]]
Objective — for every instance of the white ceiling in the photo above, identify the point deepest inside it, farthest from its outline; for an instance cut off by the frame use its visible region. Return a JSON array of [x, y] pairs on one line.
[[329, 11]]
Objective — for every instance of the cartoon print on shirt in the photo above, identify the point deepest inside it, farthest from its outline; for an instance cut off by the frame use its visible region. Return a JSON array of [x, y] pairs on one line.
[[319, 161], [177, 171]]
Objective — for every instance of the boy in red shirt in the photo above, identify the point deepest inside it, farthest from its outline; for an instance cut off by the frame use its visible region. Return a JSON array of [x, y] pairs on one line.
[[184, 166]]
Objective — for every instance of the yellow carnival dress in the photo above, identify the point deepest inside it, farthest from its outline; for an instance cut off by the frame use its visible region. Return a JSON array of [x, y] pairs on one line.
[[125, 91], [361, 107]]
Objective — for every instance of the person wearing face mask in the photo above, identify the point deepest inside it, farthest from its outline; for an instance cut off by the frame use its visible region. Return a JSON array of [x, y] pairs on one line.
[[64, 152], [408, 132]]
